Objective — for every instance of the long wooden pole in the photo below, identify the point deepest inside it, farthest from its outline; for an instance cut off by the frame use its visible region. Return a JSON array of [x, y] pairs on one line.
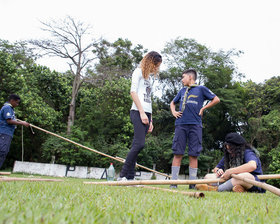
[[98, 152], [8, 179], [168, 182], [5, 173], [190, 194], [154, 182], [263, 185], [269, 176]]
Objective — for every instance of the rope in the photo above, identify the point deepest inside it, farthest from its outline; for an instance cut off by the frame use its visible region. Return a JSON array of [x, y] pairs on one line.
[[22, 146]]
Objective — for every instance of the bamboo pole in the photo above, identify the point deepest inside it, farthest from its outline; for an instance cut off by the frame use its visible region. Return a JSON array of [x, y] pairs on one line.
[[190, 194], [269, 176], [8, 179], [5, 173], [155, 182], [98, 152], [168, 182], [263, 185]]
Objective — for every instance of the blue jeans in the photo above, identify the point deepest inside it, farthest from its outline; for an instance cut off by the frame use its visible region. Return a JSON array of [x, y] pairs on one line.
[[5, 142], [140, 131]]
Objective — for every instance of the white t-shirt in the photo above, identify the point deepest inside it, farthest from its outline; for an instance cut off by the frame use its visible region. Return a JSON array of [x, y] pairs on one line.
[[143, 88]]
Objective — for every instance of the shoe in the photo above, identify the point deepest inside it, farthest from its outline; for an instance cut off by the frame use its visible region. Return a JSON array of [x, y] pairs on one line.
[[192, 186], [173, 186], [121, 179], [206, 187], [238, 188]]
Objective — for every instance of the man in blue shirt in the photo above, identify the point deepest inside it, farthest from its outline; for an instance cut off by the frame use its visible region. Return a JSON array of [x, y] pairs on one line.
[[8, 124], [188, 124], [239, 158]]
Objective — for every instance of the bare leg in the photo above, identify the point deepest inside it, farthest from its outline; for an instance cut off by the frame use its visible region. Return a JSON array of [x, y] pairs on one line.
[[242, 183], [193, 161], [177, 160]]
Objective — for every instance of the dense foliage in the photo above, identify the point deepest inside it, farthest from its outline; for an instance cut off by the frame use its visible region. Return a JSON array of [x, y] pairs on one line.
[[103, 104]]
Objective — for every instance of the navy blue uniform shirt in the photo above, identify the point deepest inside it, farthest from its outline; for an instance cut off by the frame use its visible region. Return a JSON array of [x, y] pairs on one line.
[[7, 112], [194, 102]]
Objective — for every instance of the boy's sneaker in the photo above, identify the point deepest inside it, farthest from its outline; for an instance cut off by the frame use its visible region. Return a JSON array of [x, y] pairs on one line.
[[238, 188], [173, 186]]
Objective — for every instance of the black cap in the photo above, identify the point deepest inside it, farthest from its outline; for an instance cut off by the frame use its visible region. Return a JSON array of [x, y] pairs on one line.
[[235, 139]]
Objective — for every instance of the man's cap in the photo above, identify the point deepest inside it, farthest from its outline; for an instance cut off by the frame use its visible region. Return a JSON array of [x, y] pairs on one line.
[[235, 139]]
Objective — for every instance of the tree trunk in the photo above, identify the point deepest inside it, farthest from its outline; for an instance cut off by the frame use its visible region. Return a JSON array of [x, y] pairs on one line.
[[72, 106]]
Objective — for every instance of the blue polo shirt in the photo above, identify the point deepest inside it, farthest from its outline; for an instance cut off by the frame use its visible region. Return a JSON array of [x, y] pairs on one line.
[[249, 155], [195, 98], [7, 112]]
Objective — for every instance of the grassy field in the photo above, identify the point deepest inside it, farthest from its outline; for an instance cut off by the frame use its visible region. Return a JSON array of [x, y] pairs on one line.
[[71, 201]]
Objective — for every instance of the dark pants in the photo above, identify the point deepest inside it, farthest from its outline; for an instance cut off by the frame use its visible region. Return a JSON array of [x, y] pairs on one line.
[[5, 142], [140, 131]]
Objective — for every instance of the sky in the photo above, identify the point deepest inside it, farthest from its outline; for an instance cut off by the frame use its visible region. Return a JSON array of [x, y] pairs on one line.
[[251, 26]]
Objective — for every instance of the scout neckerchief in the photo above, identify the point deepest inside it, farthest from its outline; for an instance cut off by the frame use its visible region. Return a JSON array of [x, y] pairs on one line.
[[185, 97], [5, 104]]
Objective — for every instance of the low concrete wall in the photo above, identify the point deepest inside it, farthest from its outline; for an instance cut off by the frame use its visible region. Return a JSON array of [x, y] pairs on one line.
[[57, 170]]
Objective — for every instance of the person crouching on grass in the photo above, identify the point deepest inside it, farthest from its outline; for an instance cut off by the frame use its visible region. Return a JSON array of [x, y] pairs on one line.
[[239, 158], [8, 124], [141, 110]]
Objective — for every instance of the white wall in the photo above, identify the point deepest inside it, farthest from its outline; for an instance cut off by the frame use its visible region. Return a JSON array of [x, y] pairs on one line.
[[57, 170]]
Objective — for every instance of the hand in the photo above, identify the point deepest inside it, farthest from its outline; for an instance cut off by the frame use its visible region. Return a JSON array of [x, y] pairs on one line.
[[227, 174], [201, 112], [177, 114], [144, 118], [219, 172], [24, 123], [215, 170], [151, 127]]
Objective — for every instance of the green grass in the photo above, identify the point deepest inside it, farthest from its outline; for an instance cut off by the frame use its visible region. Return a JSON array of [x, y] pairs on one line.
[[72, 201]]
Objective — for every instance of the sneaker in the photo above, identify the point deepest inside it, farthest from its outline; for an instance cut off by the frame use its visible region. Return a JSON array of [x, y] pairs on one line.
[[206, 187], [238, 188], [192, 186], [173, 186], [121, 179]]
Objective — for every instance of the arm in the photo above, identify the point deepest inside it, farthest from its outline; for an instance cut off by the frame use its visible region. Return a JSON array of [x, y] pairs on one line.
[[219, 169], [173, 110], [247, 167], [143, 115], [15, 122], [213, 102]]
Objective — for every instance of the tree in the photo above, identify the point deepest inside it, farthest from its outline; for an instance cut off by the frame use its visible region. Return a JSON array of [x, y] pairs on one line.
[[115, 60], [262, 122], [43, 93], [67, 42]]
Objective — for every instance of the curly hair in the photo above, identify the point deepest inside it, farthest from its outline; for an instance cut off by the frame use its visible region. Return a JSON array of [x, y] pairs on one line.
[[235, 157], [149, 64]]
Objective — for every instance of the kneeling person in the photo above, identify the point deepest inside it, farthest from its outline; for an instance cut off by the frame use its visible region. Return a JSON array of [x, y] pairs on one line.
[[239, 158]]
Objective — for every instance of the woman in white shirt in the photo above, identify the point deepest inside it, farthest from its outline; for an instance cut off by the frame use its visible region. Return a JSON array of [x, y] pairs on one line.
[[141, 110]]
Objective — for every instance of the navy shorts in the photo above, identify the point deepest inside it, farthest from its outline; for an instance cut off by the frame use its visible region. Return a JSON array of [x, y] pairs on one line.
[[187, 133]]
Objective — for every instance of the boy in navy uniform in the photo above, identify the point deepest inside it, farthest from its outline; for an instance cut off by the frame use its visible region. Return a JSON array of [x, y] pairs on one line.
[[188, 124], [8, 124]]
